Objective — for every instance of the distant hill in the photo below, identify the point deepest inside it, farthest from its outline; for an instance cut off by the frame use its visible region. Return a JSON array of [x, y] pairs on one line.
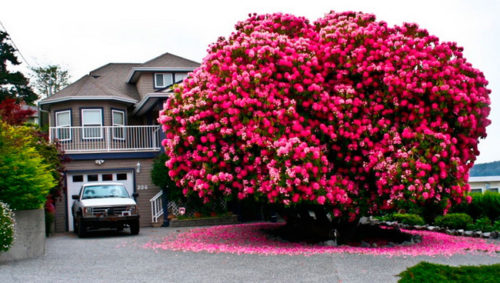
[[485, 169]]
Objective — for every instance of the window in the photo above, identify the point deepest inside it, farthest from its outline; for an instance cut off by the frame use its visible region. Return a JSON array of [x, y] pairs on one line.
[[495, 190], [91, 178], [121, 176], [476, 190], [77, 178], [118, 124], [107, 177], [163, 80], [179, 77], [92, 123], [63, 122]]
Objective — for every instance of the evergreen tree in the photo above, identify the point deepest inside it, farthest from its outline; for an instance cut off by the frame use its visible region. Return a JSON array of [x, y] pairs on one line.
[[12, 84]]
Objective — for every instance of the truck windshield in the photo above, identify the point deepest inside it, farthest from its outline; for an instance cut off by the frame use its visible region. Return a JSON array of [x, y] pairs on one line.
[[105, 191]]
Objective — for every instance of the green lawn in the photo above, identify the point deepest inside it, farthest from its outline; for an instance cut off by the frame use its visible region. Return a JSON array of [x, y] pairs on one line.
[[430, 272]]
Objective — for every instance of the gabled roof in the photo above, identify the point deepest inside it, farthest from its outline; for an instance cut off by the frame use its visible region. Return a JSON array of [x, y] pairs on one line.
[[150, 99], [170, 60], [164, 63], [107, 82], [114, 81]]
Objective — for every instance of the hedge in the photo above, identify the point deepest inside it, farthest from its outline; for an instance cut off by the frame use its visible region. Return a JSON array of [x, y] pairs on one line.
[[454, 220]]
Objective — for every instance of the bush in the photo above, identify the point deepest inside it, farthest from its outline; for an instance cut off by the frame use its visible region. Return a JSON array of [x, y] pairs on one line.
[[26, 179], [160, 177], [6, 227], [481, 224], [49, 219], [431, 272], [453, 220], [410, 219], [482, 205], [489, 202], [293, 113], [496, 226]]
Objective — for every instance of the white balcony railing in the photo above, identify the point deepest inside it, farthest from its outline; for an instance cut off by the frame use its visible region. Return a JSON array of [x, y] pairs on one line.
[[107, 138]]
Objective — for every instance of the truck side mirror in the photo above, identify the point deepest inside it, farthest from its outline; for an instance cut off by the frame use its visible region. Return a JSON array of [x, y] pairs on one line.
[[75, 197], [135, 195]]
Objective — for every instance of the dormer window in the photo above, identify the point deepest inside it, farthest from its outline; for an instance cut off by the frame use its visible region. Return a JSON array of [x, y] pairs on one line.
[[163, 80]]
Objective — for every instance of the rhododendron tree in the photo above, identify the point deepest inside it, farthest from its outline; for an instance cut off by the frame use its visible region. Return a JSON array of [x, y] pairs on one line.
[[346, 115]]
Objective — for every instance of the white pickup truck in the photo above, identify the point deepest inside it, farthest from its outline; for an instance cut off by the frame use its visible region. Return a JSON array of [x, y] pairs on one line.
[[104, 205]]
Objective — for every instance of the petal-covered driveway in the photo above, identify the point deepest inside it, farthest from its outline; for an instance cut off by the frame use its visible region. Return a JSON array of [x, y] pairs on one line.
[[111, 257]]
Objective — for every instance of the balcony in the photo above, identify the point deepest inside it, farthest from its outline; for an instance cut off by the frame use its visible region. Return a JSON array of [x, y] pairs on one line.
[[107, 138]]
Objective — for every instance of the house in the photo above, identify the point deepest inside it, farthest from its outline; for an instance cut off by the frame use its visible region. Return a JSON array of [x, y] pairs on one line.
[[33, 118], [106, 124], [485, 177], [483, 184]]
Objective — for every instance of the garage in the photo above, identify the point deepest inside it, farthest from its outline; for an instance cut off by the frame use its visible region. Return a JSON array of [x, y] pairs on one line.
[[75, 180]]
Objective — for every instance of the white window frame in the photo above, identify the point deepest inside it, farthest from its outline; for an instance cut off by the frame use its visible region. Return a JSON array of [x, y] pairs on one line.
[[118, 131], [62, 127], [99, 126], [165, 84]]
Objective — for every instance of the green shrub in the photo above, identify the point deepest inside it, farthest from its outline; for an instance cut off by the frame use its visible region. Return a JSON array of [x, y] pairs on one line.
[[496, 226], [431, 272], [453, 220], [410, 219], [49, 219], [481, 224], [25, 178], [385, 217], [487, 204], [490, 204], [160, 177], [6, 227]]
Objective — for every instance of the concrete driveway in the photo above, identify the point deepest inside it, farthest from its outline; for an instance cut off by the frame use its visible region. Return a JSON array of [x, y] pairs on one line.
[[118, 257]]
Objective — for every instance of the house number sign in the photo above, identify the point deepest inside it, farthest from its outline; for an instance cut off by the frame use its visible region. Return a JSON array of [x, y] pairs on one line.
[[142, 187]]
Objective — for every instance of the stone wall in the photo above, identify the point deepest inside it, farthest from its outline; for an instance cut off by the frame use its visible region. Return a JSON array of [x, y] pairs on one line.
[[29, 236]]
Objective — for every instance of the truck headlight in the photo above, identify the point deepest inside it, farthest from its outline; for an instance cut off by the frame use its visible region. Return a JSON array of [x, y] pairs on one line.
[[132, 209], [88, 211]]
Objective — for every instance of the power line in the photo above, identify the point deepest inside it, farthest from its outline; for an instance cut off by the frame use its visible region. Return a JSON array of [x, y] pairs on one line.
[[15, 46]]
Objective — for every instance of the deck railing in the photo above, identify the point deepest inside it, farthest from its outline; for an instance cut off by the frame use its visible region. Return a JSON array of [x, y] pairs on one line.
[[107, 138]]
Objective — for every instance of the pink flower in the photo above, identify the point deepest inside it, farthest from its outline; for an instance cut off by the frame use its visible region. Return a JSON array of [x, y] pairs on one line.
[[321, 200], [425, 195]]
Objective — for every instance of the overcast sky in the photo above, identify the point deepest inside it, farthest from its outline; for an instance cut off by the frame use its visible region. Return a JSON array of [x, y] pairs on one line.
[[84, 35]]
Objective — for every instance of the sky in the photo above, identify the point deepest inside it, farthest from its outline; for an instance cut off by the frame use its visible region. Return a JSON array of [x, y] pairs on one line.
[[84, 35]]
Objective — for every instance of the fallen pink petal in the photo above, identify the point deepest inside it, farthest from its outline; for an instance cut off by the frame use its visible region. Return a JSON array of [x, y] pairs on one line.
[[251, 239]]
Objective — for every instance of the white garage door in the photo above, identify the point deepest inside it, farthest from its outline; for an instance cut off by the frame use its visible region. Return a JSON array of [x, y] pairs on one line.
[[76, 180]]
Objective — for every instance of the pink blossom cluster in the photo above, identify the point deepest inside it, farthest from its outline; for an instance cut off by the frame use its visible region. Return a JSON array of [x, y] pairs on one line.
[[250, 239], [345, 112]]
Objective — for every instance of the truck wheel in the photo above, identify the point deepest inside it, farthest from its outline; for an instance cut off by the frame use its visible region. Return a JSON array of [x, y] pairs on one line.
[[82, 228], [134, 227]]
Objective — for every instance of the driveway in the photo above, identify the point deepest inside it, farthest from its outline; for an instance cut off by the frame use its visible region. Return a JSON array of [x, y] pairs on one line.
[[109, 256]]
